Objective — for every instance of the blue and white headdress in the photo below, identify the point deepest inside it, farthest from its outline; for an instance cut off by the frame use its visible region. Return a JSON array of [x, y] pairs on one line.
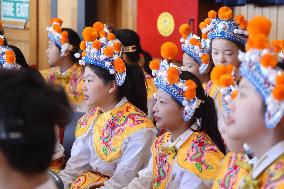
[[224, 26], [259, 66], [57, 36], [7, 56], [167, 78], [195, 47], [101, 48]]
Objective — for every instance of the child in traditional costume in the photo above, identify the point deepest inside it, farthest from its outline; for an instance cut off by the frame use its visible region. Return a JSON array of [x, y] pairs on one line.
[[62, 56], [113, 140], [189, 153], [196, 57], [256, 116]]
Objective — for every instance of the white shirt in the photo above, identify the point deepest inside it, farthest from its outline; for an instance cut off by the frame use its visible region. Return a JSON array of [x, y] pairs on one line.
[[136, 151], [179, 178], [49, 184]]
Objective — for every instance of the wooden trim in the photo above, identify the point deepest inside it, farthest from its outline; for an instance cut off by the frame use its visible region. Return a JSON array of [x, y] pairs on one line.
[[44, 15]]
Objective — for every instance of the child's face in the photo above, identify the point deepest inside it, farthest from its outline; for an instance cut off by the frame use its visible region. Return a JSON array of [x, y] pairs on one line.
[[167, 112], [225, 52], [245, 122], [52, 54], [190, 65]]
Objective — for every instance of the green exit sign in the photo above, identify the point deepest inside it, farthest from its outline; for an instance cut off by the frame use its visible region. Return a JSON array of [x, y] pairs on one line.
[[15, 10]]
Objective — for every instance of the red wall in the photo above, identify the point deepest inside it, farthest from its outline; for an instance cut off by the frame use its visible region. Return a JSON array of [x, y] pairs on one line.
[[148, 13]]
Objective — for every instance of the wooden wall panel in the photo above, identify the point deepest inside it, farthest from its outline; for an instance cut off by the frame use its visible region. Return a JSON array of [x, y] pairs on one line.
[[44, 16], [274, 13], [26, 39], [68, 13]]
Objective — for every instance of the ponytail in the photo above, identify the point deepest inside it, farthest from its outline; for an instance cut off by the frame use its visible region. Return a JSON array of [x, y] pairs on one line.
[[209, 122], [133, 88], [206, 112]]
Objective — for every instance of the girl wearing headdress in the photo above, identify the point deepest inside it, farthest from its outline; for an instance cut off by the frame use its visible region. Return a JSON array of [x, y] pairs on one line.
[[256, 115], [196, 57], [189, 153], [62, 56], [113, 139]]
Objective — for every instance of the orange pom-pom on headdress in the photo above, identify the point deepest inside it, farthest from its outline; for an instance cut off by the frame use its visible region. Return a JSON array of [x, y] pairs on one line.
[[205, 58], [269, 60], [259, 41], [89, 34], [169, 50], [1, 41], [244, 24], [173, 75], [97, 44], [57, 28], [212, 14], [10, 57], [117, 46], [185, 30], [202, 25], [239, 19], [83, 45], [278, 92], [259, 25], [98, 26], [190, 92], [280, 79], [57, 20], [189, 95], [234, 94], [108, 51], [222, 75], [103, 34], [110, 36], [193, 41], [225, 13], [154, 64], [226, 80], [191, 85], [64, 37], [207, 21], [119, 65]]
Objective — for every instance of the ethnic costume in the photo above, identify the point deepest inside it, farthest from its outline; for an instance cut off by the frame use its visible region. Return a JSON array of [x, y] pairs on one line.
[[192, 160], [112, 146], [234, 168], [72, 79], [223, 26], [259, 67]]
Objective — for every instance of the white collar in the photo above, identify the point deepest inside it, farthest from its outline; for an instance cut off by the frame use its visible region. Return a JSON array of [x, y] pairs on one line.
[[267, 159], [179, 140]]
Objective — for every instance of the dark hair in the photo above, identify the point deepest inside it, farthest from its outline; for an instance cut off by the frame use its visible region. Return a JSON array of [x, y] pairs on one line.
[[206, 112], [37, 108], [74, 40], [147, 59], [133, 88], [128, 38], [20, 58]]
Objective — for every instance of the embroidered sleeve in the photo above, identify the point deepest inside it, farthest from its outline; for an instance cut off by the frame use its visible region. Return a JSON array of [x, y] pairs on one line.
[[77, 163]]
